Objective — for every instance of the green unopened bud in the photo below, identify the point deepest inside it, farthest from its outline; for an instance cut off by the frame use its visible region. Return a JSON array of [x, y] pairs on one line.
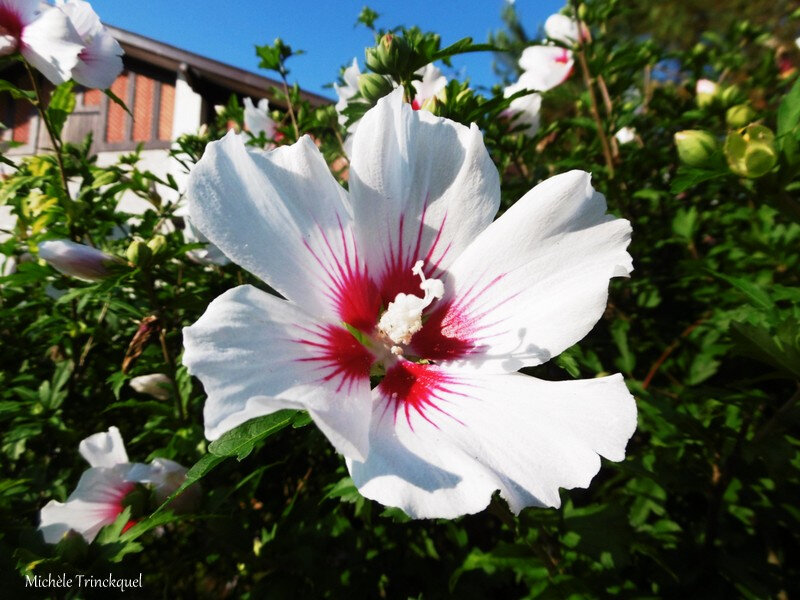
[[583, 11], [732, 95], [138, 253], [390, 56], [157, 245], [695, 147], [373, 86], [739, 116], [751, 153]]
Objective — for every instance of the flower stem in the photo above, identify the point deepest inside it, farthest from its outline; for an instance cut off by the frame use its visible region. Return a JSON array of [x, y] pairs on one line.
[[588, 81], [162, 338], [289, 105], [50, 132]]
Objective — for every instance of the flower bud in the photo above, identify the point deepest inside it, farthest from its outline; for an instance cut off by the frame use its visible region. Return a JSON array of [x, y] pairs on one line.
[[707, 91], [739, 116], [138, 253], [157, 245], [695, 147], [732, 95], [156, 385], [390, 56], [77, 260], [751, 153], [373, 87], [626, 135]]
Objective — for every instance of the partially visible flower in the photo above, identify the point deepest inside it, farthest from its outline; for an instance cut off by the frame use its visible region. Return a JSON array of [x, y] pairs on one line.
[[257, 119], [210, 255], [42, 34], [526, 108], [706, 92], [100, 61], [706, 86], [77, 260], [156, 385], [105, 489], [626, 135], [406, 274], [545, 67], [564, 29], [432, 83], [166, 476], [347, 91], [797, 43]]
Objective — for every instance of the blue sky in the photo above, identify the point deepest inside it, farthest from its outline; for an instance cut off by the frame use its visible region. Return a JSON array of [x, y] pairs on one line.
[[227, 31]]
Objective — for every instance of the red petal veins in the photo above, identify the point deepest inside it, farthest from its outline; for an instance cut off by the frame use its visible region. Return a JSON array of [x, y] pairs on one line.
[[11, 22], [115, 500], [453, 329], [340, 357], [397, 276], [349, 286], [419, 387]]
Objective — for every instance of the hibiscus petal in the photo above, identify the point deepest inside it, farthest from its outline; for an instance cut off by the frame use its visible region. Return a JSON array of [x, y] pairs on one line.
[[100, 62], [82, 16], [466, 436], [15, 14], [422, 187], [282, 216], [432, 83], [51, 44], [104, 449], [526, 108], [257, 119], [257, 354], [545, 67], [533, 283], [96, 502]]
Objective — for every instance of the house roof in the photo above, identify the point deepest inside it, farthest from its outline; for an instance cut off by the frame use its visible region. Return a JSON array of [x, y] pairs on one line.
[[201, 68]]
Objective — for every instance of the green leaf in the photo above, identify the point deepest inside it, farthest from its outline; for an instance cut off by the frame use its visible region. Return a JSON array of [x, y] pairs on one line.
[[781, 350], [789, 110], [462, 46], [118, 101], [62, 103], [16, 93], [684, 224], [367, 17], [627, 359], [754, 293], [689, 177], [239, 442]]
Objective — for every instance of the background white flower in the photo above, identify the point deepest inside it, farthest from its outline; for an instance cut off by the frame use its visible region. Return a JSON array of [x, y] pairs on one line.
[[42, 34], [626, 135], [101, 492], [564, 29], [257, 119], [100, 61]]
